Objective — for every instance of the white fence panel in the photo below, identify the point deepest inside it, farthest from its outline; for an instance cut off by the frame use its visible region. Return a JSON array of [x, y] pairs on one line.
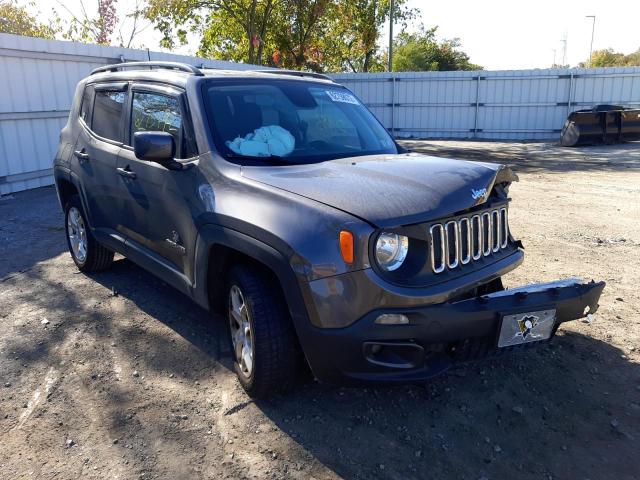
[[38, 78], [506, 105]]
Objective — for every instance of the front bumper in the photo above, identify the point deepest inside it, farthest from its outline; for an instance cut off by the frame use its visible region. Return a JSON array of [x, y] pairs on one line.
[[437, 335]]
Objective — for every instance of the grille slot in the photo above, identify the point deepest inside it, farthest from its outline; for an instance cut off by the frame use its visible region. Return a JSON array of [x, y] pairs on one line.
[[437, 248], [458, 242], [465, 240], [504, 228], [495, 230], [452, 237], [476, 237], [486, 233]]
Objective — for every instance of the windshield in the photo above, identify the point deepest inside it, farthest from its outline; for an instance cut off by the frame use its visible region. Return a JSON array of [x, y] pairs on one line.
[[291, 122]]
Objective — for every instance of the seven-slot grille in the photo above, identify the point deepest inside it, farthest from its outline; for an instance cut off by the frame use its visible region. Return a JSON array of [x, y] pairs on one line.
[[458, 242]]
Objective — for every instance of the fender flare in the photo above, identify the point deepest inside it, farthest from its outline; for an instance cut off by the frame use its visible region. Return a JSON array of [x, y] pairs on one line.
[[61, 173], [293, 288], [213, 234]]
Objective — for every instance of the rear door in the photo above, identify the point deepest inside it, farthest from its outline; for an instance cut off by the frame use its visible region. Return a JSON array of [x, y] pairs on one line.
[[96, 152], [158, 220]]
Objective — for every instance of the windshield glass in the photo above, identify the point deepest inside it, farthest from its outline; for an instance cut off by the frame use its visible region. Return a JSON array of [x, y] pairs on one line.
[[291, 122]]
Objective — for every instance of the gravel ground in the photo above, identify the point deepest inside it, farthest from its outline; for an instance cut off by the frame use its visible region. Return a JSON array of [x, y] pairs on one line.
[[116, 375]]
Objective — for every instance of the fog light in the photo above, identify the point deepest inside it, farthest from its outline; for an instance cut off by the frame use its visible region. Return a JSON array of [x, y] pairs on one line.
[[392, 319]]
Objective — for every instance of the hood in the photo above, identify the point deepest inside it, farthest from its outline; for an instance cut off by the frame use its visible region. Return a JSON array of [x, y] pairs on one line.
[[389, 190]]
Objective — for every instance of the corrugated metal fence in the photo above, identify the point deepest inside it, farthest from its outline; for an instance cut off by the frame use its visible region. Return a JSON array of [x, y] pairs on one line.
[[38, 78], [516, 104], [37, 81]]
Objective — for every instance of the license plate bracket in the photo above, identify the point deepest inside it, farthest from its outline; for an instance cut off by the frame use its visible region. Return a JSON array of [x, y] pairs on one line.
[[526, 327]]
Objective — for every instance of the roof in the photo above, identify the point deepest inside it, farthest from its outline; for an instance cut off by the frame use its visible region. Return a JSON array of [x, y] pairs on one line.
[[178, 73]]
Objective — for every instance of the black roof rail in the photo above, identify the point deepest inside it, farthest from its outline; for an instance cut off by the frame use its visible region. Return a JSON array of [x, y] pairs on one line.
[[142, 65], [294, 73]]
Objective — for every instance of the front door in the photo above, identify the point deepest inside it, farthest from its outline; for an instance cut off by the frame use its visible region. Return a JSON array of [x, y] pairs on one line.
[[158, 221]]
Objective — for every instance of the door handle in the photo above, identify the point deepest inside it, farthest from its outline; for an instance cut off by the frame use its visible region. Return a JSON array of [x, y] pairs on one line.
[[126, 173], [81, 155]]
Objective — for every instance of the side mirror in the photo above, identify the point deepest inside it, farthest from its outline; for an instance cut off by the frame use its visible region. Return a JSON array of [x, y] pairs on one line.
[[154, 146]]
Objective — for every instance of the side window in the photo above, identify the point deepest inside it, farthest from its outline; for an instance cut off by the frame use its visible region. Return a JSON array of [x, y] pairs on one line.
[[157, 113], [87, 104], [107, 113]]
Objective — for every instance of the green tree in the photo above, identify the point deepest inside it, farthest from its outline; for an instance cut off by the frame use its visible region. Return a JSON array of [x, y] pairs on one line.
[[300, 29], [323, 35], [230, 29], [633, 59], [355, 30], [421, 51], [608, 58], [16, 19]]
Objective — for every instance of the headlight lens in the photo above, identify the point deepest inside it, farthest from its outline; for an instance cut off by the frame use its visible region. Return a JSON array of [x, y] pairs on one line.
[[391, 250]]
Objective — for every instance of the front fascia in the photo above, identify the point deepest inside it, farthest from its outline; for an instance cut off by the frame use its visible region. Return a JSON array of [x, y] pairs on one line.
[[341, 300], [440, 334]]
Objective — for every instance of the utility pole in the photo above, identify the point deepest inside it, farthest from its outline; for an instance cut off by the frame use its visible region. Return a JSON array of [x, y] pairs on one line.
[[593, 29], [391, 36], [564, 49]]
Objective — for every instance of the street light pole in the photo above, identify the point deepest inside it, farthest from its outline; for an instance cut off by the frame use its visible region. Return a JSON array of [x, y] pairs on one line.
[[593, 29], [391, 36]]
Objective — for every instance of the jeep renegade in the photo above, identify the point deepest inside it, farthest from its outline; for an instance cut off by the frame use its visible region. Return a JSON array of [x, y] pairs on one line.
[[278, 199]]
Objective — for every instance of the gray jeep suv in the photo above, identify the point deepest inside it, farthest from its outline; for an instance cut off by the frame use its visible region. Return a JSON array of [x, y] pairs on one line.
[[278, 199]]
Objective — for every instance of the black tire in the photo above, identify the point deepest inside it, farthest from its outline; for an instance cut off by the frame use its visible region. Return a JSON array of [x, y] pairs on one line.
[[97, 257], [277, 357]]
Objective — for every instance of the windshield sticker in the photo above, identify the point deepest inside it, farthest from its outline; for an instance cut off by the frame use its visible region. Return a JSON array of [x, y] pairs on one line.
[[342, 97]]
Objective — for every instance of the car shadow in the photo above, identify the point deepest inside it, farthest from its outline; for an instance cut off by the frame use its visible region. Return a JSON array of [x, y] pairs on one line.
[[553, 412], [567, 409], [203, 330], [570, 409]]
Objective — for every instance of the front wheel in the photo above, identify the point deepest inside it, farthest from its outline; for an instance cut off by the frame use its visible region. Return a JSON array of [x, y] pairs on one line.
[[87, 253], [267, 357]]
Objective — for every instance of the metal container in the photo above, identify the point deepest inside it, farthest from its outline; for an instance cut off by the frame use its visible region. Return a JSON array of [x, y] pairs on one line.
[[601, 124]]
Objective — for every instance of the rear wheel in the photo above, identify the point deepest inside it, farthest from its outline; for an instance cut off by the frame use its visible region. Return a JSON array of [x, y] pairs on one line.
[[267, 358], [87, 253]]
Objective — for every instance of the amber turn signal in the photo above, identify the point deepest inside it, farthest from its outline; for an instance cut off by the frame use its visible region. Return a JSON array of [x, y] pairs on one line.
[[346, 246]]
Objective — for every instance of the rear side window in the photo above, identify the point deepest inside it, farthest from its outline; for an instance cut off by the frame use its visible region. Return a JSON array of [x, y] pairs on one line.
[[154, 112], [87, 103], [107, 114]]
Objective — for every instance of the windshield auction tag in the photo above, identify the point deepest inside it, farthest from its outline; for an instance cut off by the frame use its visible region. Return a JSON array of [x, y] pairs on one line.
[[342, 97]]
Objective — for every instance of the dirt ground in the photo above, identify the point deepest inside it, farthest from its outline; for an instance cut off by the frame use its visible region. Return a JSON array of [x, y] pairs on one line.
[[117, 376]]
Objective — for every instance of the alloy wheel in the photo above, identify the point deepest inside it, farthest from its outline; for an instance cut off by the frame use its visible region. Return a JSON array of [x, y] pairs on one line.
[[77, 233], [241, 333]]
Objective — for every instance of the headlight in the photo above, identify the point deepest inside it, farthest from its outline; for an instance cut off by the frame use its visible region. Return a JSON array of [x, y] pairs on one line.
[[391, 250]]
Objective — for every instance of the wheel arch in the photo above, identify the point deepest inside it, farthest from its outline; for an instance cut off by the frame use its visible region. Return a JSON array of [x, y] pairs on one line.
[[65, 187], [67, 184], [218, 247]]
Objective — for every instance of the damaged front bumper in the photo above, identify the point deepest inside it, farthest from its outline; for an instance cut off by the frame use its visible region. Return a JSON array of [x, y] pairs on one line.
[[434, 337]]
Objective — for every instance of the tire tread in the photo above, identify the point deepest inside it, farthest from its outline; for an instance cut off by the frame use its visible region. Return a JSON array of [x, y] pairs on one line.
[[277, 355]]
